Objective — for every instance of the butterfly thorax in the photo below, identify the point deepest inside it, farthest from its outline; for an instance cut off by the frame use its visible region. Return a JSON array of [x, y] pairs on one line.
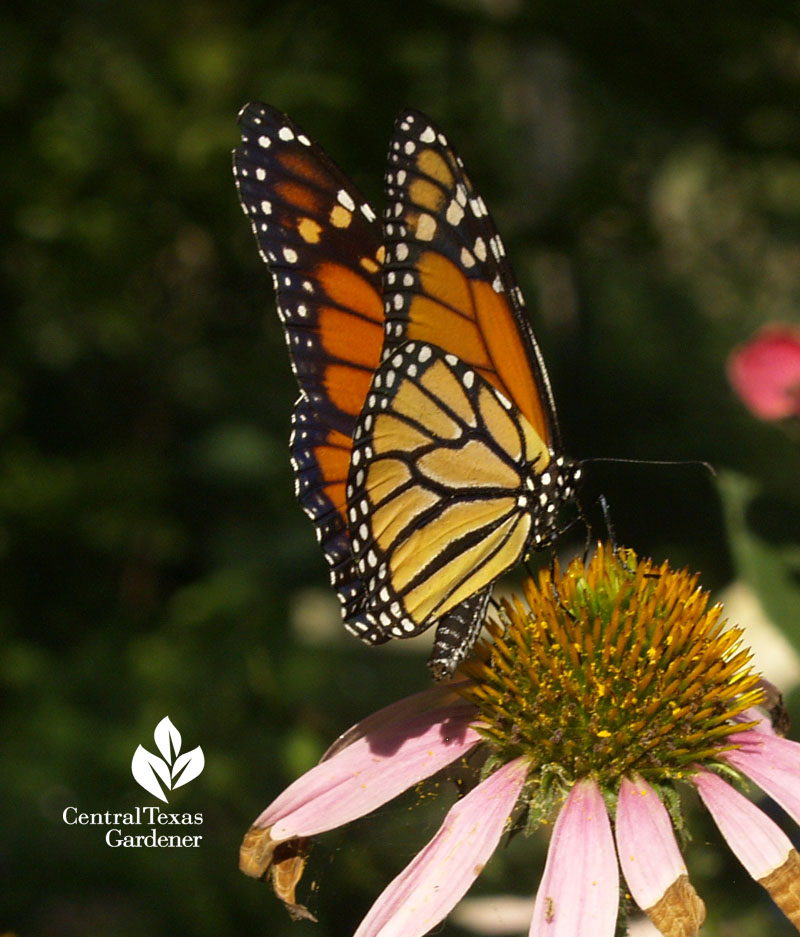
[[545, 492]]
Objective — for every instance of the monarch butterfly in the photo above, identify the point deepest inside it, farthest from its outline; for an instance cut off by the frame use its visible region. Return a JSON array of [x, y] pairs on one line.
[[323, 245], [457, 468]]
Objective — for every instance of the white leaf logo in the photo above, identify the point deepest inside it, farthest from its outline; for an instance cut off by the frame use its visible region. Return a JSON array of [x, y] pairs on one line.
[[168, 739], [173, 769]]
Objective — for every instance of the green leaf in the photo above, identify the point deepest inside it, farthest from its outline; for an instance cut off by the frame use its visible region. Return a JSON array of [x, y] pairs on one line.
[[764, 532]]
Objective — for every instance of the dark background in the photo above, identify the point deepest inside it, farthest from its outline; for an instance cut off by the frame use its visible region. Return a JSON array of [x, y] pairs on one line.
[[642, 162]]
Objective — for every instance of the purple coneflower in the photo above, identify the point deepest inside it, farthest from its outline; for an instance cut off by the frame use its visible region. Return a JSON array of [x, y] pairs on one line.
[[587, 706]]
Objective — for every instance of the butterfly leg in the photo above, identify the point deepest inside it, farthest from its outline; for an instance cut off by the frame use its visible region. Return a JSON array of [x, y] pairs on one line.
[[584, 519], [553, 590], [587, 524], [612, 535], [456, 634]]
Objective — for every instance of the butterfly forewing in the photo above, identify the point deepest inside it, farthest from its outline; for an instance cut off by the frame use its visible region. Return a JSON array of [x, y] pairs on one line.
[[321, 458], [447, 280], [322, 243]]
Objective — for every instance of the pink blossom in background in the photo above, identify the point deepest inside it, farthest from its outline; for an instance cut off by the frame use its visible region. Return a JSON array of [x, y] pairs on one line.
[[765, 372]]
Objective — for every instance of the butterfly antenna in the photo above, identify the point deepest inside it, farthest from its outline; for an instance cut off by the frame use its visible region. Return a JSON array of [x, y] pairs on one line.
[[696, 463]]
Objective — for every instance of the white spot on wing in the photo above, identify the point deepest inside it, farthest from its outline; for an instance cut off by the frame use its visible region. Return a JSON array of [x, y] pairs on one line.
[[344, 199], [454, 213], [426, 227]]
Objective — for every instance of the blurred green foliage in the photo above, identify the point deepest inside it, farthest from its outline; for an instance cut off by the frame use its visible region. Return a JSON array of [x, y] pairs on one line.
[[643, 164]]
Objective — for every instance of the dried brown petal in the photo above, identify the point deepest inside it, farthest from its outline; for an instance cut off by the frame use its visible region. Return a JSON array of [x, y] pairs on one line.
[[680, 911], [255, 853], [285, 861], [775, 707], [288, 862], [784, 886]]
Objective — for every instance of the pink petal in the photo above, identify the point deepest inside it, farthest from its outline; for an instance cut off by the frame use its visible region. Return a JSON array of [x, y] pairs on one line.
[[431, 885], [652, 863], [371, 771], [434, 697], [765, 372], [759, 843], [754, 714], [579, 892], [773, 763], [648, 852]]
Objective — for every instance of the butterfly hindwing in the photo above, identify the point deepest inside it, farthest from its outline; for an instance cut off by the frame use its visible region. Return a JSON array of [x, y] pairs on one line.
[[447, 280], [448, 486]]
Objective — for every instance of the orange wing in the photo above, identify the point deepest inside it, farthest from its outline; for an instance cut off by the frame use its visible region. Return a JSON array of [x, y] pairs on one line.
[[446, 277], [321, 241]]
